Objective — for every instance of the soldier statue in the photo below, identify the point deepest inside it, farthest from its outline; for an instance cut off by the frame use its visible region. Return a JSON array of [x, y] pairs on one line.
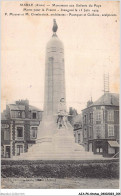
[[62, 114]]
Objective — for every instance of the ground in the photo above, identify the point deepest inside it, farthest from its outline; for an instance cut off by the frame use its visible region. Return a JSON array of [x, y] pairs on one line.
[[54, 183]]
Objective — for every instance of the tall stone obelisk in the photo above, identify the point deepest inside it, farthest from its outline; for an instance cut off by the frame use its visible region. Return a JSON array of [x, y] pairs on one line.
[[54, 74], [54, 88]]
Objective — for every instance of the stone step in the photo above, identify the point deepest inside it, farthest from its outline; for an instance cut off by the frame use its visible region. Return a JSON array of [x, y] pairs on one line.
[[61, 156], [60, 152]]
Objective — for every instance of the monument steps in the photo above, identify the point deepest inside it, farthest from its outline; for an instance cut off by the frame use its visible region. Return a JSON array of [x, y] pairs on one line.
[[60, 146], [58, 155]]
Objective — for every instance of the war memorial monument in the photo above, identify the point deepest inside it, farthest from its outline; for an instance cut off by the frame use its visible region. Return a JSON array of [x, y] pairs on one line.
[[55, 139]]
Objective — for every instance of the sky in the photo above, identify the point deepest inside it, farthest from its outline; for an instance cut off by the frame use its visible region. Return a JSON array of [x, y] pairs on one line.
[[91, 48]]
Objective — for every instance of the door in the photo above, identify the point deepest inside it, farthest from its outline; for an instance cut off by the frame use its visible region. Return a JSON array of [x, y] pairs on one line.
[[7, 152], [90, 147], [19, 149]]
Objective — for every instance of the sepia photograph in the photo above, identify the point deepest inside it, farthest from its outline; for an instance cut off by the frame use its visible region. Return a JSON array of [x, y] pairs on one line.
[[60, 86]]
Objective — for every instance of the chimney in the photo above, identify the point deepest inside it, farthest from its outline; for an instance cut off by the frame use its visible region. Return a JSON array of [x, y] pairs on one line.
[[26, 108], [90, 102], [26, 104]]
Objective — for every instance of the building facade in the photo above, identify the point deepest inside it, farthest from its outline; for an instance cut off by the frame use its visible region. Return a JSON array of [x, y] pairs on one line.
[[101, 125], [78, 131], [19, 126]]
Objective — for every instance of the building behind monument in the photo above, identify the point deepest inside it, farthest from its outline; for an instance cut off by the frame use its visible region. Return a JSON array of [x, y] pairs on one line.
[[96, 128], [101, 125], [19, 125]]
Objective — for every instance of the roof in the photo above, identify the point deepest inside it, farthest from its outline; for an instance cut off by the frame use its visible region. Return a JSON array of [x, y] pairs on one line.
[[111, 99], [34, 108], [3, 115], [16, 107], [22, 107]]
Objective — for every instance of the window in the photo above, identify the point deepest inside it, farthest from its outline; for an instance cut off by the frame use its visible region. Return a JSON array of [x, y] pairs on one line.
[[34, 115], [19, 149], [110, 115], [13, 114], [110, 130], [98, 117], [85, 119], [78, 137], [90, 131], [6, 135], [98, 132], [23, 114], [75, 137], [2, 151], [34, 132], [91, 117], [19, 131], [85, 133], [16, 114], [99, 150], [19, 114]]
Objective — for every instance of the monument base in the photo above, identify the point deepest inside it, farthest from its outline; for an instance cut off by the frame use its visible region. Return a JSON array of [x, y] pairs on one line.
[[57, 146]]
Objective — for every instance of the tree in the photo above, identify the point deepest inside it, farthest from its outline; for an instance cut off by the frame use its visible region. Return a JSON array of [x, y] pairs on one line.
[[72, 113]]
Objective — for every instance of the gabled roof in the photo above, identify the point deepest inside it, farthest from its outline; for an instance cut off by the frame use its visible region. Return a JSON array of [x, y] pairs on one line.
[[107, 99]]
